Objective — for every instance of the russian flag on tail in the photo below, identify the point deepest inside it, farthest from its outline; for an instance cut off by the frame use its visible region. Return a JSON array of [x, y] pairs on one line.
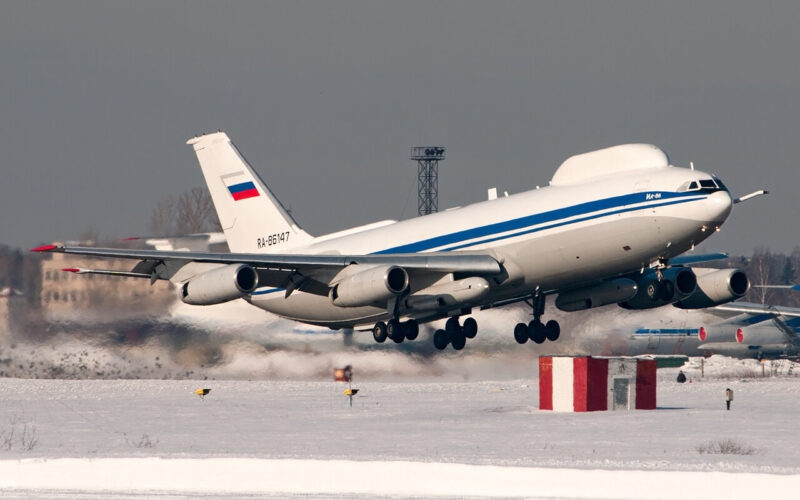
[[243, 190]]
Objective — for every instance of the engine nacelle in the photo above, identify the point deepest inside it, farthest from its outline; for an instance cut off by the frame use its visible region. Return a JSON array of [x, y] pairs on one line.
[[676, 283], [718, 333], [448, 295], [715, 287], [760, 335], [220, 285], [374, 285], [610, 292]]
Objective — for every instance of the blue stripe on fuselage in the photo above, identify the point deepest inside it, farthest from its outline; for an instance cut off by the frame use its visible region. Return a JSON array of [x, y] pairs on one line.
[[666, 331], [620, 202]]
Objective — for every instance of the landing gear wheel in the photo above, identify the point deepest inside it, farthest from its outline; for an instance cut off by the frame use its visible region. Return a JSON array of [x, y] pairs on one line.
[[459, 341], [552, 330], [440, 339], [379, 332], [470, 328], [452, 327], [521, 333], [395, 331], [652, 290], [536, 331], [412, 329]]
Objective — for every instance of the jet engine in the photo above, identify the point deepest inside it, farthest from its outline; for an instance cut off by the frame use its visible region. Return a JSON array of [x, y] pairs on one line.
[[609, 292], [448, 295], [675, 284], [374, 285], [220, 285], [760, 335], [715, 287], [718, 333]]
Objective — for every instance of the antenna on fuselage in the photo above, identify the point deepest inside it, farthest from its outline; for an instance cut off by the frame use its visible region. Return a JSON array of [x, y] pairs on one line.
[[691, 165]]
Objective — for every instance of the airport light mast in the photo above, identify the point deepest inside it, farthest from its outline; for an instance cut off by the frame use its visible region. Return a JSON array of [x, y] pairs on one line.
[[427, 158]]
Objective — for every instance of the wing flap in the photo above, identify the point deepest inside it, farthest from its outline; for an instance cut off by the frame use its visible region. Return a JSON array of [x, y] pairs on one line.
[[105, 272]]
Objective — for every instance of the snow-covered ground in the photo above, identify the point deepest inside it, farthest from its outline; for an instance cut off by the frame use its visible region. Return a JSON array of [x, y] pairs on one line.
[[484, 438]]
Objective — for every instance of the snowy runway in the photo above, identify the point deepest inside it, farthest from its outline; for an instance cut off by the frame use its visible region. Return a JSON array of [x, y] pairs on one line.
[[152, 438]]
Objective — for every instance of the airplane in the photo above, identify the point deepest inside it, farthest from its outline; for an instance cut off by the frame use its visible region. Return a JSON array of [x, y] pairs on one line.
[[765, 331], [609, 228], [736, 329]]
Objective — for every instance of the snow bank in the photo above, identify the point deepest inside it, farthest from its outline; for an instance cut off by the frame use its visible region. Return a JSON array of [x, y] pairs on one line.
[[340, 477]]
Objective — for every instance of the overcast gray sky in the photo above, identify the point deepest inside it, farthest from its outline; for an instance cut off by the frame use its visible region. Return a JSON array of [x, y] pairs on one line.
[[325, 99]]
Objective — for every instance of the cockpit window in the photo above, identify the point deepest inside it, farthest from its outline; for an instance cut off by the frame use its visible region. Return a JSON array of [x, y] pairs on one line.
[[703, 186], [719, 183]]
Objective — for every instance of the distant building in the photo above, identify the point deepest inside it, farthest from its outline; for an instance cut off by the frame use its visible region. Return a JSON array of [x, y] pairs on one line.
[[66, 295]]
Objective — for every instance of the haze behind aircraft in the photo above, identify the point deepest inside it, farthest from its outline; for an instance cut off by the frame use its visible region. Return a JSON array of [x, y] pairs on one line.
[[608, 229]]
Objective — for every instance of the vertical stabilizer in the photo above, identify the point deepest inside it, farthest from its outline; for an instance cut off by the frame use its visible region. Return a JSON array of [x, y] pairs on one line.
[[253, 219]]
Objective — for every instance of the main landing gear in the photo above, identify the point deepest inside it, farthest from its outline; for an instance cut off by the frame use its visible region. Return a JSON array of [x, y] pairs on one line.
[[455, 334], [396, 330], [535, 330]]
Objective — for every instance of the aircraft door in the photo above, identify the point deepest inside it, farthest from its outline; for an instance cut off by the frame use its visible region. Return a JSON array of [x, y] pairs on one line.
[[653, 340], [678, 348]]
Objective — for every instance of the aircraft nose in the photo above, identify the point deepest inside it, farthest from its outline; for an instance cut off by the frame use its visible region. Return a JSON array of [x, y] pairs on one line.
[[718, 206]]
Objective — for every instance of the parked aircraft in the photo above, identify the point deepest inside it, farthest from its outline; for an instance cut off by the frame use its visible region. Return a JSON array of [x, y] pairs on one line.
[[608, 229], [764, 330], [737, 329]]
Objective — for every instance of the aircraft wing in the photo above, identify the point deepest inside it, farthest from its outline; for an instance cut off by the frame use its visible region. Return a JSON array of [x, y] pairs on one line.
[[163, 264], [752, 308], [683, 260]]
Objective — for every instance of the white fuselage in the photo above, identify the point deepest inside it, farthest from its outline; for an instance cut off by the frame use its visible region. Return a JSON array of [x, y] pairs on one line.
[[549, 238]]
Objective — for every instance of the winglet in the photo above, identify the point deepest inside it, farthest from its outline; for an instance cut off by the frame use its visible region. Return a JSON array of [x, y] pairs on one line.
[[44, 248]]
